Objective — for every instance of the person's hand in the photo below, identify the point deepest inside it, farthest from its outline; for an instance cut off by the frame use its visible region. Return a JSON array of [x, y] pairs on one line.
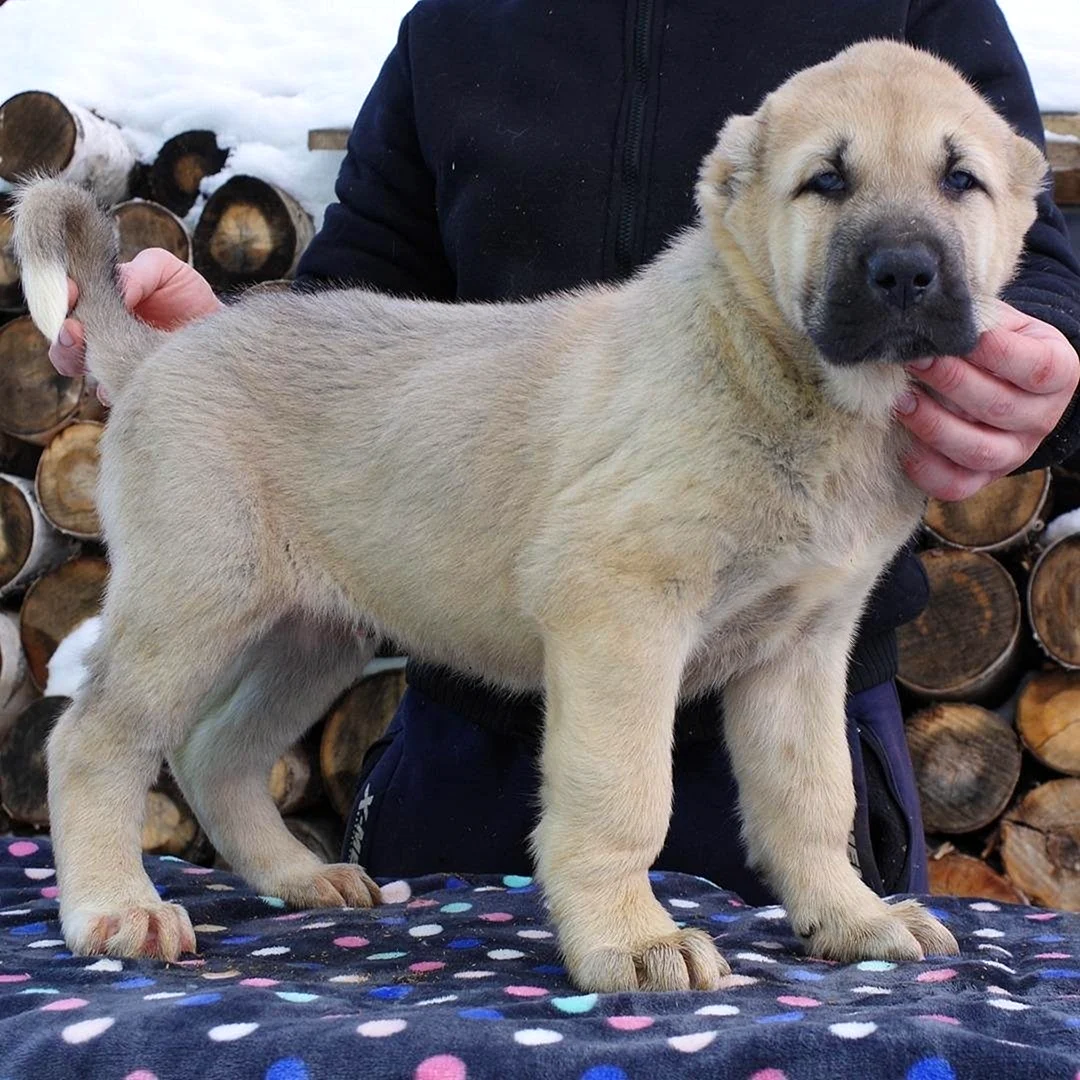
[[158, 288], [989, 410]]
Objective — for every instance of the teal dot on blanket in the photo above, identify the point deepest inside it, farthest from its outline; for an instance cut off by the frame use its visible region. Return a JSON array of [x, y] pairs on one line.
[[455, 909], [933, 1068], [273, 901], [580, 1003], [296, 997], [875, 965], [516, 881], [287, 1069]]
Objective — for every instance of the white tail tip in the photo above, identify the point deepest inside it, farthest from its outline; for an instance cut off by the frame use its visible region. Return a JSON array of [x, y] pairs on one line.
[[46, 290]]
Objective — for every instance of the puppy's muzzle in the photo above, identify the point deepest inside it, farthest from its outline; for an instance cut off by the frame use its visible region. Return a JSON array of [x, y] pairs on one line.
[[892, 294]]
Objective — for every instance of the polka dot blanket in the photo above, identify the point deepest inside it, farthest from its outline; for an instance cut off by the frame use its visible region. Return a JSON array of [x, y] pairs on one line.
[[459, 979]]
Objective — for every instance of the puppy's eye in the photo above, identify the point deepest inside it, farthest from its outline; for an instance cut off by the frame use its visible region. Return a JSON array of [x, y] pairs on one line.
[[829, 183], [957, 181]]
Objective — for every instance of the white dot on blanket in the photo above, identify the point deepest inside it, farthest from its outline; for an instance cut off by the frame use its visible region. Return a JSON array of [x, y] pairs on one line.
[[853, 1029], [85, 1030], [380, 1029], [105, 964], [395, 892], [39, 873], [505, 954], [536, 1037], [770, 913], [988, 932], [984, 905], [870, 990], [272, 950], [756, 956], [535, 935], [717, 1010], [425, 930], [1008, 1003], [676, 902], [231, 1032], [690, 1044]]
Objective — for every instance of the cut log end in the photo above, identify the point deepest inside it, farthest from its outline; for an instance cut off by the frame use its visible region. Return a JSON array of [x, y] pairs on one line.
[[141, 224], [182, 163], [967, 763], [998, 517], [37, 132], [23, 780], [965, 644], [1040, 844], [1054, 601], [67, 480], [956, 874], [1048, 719]]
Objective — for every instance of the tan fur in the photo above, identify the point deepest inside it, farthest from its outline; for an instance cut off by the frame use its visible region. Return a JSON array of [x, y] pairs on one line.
[[617, 495]]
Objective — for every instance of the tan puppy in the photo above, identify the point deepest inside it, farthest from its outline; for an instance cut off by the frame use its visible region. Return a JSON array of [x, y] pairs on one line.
[[617, 495]]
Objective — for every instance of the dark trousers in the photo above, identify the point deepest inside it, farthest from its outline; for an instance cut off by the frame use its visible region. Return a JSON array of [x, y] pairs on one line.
[[441, 793]]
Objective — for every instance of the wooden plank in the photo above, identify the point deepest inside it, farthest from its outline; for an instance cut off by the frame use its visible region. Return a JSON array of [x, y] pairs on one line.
[[327, 138], [1064, 156]]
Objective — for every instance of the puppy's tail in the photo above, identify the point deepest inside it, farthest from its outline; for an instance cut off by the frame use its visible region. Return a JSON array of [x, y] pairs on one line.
[[60, 232]]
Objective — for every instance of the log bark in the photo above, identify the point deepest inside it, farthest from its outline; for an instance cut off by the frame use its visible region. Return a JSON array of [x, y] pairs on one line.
[[39, 132], [967, 763], [956, 874], [23, 781], [294, 780], [1048, 719], [55, 604], [35, 399], [320, 833], [1064, 157], [249, 231], [1040, 844], [141, 224], [999, 517], [357, 720], [1053, 601], [169, 827], [29, 545], [16, 689], [66, 480], [965, 645], [182, 163], [11, 295]]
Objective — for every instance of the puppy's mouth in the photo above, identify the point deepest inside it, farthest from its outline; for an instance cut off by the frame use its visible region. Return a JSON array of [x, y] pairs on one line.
[[890, 297]]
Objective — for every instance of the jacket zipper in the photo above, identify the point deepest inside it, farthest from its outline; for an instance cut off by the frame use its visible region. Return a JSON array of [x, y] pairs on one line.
[[632, 185]]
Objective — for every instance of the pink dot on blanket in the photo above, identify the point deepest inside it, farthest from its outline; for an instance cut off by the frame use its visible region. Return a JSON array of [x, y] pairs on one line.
[[497, 916], [22, 848], [351, 942], [440, 1067], [50, 892], [260, 983], [939, 975], [769, 1074], [525, 991], [630, 1023], [22, 977], [141, 1074], [64, 1004], [799, 1002], [424, 966]]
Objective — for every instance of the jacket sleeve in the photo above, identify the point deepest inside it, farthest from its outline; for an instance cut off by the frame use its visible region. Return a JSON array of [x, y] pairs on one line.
[[973, 36], [383, 231]]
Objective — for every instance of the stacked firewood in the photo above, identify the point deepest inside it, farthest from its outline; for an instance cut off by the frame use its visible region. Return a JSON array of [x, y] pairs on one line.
[[991, 677]]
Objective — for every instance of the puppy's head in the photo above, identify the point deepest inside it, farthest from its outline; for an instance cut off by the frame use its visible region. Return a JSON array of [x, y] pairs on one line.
[[878, 200]]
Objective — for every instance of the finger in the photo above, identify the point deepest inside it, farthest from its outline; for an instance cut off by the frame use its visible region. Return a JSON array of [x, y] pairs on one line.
[[1029, 353], [940, 478], [73, 294], [973, 393], [142, 276], [67, 354], [977, 447]]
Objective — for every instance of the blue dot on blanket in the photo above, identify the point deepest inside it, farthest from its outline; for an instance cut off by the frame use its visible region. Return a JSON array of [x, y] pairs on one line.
[[287, 1069], [480, 1014], [200, 999], [239, 939], [30, 928], [803, 975], [604, 1072], [464, 943], [780, 1018], [456, 883], [389, 993], [135, 983], [933, 1068]]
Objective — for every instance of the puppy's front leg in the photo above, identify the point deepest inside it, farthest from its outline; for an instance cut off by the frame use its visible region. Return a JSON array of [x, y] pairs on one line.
[[611, 692], [785, 730]]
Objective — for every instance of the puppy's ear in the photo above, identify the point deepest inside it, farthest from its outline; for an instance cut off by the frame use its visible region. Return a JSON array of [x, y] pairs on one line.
[[732, 162], [1030, 169]]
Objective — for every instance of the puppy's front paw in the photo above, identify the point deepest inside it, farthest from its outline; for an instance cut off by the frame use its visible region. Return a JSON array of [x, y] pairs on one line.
[[159, 930], [904, 931], [681, 960], [329, 885]]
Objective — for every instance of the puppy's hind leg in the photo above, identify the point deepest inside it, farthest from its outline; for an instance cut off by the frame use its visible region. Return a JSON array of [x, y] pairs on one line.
[[148, 677], [290, 679]]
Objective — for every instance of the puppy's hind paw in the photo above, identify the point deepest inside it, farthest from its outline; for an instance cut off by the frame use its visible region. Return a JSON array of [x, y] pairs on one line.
[[332, 885], [159, 931]]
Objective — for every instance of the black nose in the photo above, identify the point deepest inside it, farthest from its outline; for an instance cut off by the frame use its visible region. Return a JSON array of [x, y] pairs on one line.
[[902, 276]]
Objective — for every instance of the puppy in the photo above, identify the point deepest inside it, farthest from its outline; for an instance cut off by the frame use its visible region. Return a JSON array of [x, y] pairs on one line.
[[620, 495]]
